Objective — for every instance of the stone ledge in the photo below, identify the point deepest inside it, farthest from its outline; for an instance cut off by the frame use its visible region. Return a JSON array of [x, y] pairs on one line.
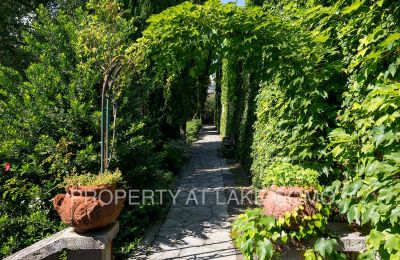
[[68, 239], [349, 241]]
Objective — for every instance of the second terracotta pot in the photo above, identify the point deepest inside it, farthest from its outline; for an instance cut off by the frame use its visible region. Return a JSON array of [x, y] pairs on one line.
[[278, 201]]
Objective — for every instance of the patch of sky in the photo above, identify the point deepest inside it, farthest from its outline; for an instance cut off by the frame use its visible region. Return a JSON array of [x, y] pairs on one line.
[[238, 2]]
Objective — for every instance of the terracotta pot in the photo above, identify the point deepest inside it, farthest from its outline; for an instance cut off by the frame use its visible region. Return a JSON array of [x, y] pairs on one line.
[[88, 207], [279, 200]]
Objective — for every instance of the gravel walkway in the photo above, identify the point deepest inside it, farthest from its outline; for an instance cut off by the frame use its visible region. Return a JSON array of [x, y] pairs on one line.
[[197, 225]]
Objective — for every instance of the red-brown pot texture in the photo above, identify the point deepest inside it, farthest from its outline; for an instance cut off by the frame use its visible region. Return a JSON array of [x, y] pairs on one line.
[[279, 200], [88, 207]]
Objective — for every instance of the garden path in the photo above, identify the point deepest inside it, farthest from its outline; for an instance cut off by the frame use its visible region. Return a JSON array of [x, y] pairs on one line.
[[198, 230]]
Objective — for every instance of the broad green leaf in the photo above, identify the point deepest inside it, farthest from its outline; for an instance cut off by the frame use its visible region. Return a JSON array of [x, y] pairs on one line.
[[323, 37], [368, 214], [392, 69], [395, 216], [337, 151], [353, 188], [353, 7], [324, 246], [310, 255], [392, 242], [390, 39], [339, 135], [344, 205], [247, 245], [375, 238], [267, 221], [264, 249], [354, 213]]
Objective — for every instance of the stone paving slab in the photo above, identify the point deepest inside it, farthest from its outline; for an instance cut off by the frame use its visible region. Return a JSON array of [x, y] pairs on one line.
[[198, 228]]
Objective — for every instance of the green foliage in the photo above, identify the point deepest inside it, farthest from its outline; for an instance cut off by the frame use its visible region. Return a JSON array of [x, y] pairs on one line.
[[15, 20], [109, 177], [228, 97], [135, 221], [192, 128], [261, 236], [287, 174], [50, 119], [17, 232], [176, 153], [295, 107], [208, 111], [310, 83], [366, 142], [143, 9], [324, 249]]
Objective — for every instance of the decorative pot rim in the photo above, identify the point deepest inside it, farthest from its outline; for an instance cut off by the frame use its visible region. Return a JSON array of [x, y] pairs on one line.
[[291, 191], [85, 189]]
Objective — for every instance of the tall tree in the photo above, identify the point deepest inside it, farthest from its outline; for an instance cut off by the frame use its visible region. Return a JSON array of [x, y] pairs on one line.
[[16, 18]]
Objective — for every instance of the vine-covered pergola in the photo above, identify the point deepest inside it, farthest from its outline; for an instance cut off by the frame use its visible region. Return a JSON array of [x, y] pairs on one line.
[[307, 93]]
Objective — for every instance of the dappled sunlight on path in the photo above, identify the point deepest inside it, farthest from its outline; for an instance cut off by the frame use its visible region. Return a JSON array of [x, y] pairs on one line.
[[197, 225]]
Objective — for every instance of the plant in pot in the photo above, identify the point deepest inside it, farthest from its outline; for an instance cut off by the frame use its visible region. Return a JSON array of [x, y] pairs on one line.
[[91, 202], [289, 188]]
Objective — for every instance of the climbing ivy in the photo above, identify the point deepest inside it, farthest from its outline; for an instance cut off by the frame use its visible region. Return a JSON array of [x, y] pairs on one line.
[[357, 139], [264, 237], [312, 83]]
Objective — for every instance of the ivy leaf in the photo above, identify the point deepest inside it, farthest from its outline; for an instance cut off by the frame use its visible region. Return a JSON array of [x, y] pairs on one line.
[[369, 213], [337, 150], [354, 213], [264, 249], [390, 39], [324, 246], [387, 194], [322, 38], [344, 205], [339, 135], [353, 188], [310, 255], [284, 236], [394, 216], [268, 222], [247, 245], [375, 238], [356, 4], [392, 69], [395, 157], [392, 242]]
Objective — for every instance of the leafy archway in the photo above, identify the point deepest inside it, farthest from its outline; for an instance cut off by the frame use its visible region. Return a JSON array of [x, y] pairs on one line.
[[186, 43]]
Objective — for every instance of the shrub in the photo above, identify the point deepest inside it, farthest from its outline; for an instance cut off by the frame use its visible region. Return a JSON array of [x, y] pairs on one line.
[[287, 174], [208, 111], [50, 119], [261, 236], [109, 177], [192, 128], [176, 152]]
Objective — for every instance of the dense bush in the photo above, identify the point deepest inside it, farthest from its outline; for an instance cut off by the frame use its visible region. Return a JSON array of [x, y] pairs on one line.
[[264, 237], [337, 111], [365, 36], [50, 122], [307, 83], [192, 128], [177, 151], [208, 111], [287, 174]]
